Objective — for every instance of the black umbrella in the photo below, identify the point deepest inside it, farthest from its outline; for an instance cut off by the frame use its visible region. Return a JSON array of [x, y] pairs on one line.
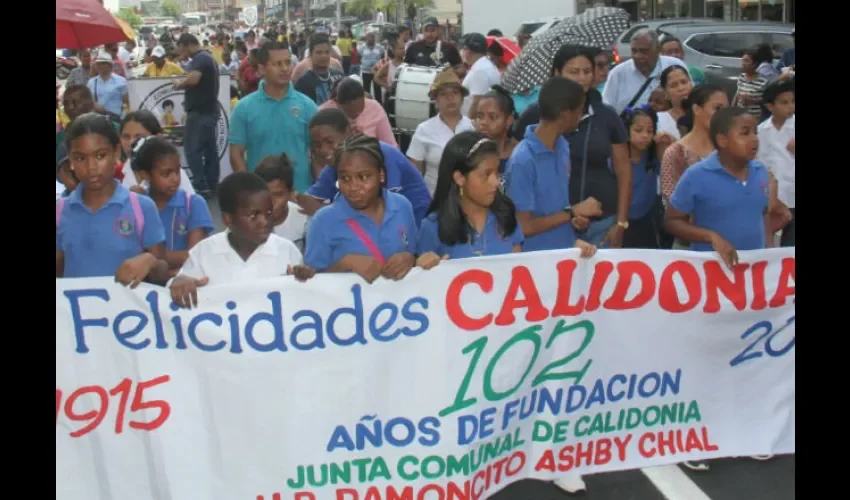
[[598, 27]]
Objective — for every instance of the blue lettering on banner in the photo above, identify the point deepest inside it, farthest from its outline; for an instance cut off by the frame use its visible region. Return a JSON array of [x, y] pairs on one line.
[[398, 432], [309, 331]]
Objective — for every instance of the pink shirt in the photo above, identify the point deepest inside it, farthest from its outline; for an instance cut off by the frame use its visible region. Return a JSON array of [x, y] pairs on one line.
[[373, 121]]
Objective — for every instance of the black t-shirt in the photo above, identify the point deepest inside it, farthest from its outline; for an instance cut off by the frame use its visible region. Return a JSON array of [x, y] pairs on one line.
[[317, 88], [420, 54], [606, 129], [203, 97]]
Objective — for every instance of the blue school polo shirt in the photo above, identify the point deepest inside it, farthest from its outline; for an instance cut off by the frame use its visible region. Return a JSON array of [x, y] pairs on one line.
[[330, 238], [267, 127], [402, 177], [489, 242], [537, 180], [178, 220], [720, 202], [644, 188], [96, 243]]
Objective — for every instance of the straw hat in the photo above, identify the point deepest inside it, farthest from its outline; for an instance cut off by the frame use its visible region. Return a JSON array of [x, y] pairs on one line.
[[446, 78]]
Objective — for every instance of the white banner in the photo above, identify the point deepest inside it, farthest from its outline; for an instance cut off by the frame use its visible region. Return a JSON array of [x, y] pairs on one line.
[[449, 384], [158, 96]]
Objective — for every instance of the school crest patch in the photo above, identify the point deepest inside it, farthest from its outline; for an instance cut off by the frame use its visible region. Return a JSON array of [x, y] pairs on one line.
[[124, 225], [295, 111], [402, 232], [181, 226]]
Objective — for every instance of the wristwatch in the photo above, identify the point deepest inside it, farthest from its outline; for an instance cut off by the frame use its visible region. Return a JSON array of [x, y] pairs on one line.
[[569, 211], [623, 224]]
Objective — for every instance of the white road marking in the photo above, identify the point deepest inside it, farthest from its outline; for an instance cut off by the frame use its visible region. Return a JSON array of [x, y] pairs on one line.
[[673, 483]]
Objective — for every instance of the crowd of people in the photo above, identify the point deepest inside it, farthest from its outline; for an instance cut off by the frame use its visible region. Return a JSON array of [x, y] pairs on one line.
[[638, 157]]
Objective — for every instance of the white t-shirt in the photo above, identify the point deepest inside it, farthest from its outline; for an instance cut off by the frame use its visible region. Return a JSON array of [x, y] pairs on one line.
[[130, 178], [666, 123], [428, 142], [216, 259], [773, 152], [481, 77], [294, 228]]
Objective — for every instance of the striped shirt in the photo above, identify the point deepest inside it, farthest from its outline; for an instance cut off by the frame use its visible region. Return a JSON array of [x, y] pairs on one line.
[[750, 93]]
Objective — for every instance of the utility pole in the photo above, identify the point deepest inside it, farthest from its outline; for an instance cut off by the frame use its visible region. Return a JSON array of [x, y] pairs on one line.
[[338, 14]]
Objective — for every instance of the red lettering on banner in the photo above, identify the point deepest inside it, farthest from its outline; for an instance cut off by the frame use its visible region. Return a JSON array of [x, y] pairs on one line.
[[679, 287], [759, 293], [522, 282], [626, 271], [716, 280], [601, 272], [406, 493], [566, 270], [668, 296], [785, 289], [94, 417], [675, 442], [455, 312], [301, 495]]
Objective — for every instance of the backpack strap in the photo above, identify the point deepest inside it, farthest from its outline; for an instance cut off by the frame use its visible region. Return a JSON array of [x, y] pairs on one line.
[[139, 216], [364, 238], [60, 205]]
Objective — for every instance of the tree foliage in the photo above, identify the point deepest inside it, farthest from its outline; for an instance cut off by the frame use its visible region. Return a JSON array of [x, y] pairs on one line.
[[129, 16], [170, 8]]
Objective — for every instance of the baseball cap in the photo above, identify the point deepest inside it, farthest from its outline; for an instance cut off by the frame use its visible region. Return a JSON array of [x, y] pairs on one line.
[[158, 51], [476, 42], [431, 21]]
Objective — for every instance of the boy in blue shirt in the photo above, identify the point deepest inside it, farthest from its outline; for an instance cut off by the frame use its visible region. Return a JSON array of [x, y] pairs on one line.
[[538, 172], [726, 194]]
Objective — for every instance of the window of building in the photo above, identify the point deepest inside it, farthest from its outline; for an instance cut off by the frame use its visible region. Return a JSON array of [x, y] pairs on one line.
[[773, 10], [715, 9]]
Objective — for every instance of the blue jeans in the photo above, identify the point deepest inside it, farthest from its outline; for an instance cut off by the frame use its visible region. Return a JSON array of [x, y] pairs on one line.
[[597, 230], [201, 149]]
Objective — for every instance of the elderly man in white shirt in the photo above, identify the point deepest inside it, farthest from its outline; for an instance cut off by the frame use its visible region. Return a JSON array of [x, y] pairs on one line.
[[630, 83]]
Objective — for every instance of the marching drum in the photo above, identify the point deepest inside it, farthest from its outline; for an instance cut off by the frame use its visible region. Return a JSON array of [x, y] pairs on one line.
[[409, 103]]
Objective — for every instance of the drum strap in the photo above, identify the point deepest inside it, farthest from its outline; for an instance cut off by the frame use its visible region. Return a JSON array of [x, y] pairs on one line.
[[439, 58]]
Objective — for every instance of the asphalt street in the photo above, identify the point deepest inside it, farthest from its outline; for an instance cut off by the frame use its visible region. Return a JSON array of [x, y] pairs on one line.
[[728, 479]]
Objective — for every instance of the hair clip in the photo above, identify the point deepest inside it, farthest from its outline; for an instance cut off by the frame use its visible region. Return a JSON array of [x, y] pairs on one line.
[[138, 143], [477, 145]]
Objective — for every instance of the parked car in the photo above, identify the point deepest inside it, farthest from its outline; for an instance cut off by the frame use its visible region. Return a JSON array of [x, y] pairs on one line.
[[623, 49], [717, 49], [538, 26]]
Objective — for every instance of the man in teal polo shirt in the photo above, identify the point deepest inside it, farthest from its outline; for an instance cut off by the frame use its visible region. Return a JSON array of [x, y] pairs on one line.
[[273, 120]]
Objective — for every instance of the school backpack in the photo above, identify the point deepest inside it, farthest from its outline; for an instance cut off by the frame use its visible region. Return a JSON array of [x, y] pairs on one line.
[[138, 215]]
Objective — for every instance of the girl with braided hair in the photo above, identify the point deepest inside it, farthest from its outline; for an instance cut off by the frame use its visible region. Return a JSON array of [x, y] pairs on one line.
[[368, 230]]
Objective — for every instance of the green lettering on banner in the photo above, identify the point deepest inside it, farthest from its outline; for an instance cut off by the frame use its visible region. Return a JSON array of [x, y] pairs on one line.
[[679, 412], [433, 467], [367, 470]]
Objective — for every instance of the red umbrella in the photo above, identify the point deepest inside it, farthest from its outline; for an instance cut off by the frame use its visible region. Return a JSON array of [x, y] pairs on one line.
[[510, 49], [82, 24]]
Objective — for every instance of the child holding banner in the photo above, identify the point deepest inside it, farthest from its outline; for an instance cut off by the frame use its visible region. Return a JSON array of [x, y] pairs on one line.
[[246, 251], [726, 194], [368, 230], [185, 216], [103, 229]]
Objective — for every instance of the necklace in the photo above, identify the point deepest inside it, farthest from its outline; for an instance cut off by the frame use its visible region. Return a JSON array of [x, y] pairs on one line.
[[476, 236]]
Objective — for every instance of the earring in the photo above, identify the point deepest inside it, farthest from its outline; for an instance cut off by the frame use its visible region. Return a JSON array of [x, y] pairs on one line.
[[460, 191]]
